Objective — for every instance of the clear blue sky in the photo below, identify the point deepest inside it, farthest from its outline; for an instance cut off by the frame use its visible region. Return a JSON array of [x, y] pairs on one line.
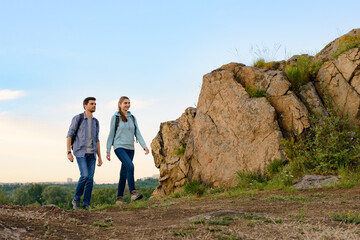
[[53, 54]]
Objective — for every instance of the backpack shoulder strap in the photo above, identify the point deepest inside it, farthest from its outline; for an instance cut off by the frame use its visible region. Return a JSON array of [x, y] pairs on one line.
[[81, 118], [97, 122], [133, 119], [117, 121]]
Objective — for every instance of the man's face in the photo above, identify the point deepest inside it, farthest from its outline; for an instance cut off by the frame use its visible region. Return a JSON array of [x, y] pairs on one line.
[[91, 106]]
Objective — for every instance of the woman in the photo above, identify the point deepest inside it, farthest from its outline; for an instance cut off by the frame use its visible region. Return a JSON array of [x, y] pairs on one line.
[[123, 128]]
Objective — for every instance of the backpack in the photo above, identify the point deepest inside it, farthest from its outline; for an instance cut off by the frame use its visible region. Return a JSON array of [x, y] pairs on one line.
[[77, 128], [117, 121]]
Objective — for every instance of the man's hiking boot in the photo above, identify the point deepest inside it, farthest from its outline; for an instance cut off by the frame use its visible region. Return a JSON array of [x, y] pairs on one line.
[[119, 201], [76, 204], [135, 195], [86, 207]]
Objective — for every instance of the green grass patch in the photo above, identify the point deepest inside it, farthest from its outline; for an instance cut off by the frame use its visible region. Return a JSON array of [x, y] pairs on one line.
[[349, 217], [164, 204], [199, 221], [275, 177], [348, 178], [177, 194], [107, 222], [287, 198], [179, 233], [139, 204], [195, 188]]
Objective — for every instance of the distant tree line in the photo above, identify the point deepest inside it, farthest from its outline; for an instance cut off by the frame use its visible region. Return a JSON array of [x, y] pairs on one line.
[[62, 194]]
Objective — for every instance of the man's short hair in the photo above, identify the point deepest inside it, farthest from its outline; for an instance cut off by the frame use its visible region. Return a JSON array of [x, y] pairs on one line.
[[86, 100]]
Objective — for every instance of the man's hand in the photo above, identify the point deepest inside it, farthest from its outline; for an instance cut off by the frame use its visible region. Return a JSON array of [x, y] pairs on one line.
[[70, 157], [108, 156], [99, 162], [146, 151]]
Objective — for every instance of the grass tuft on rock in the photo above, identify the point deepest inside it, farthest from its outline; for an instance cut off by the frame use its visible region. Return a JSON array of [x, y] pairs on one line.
[[256, 92], [346, 43]]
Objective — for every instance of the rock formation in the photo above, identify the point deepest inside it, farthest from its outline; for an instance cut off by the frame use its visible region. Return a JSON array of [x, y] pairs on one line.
[[230, 131]]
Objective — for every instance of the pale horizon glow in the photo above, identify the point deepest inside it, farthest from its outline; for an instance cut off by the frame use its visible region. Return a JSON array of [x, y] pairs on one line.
[[6, 94], [53, 54]]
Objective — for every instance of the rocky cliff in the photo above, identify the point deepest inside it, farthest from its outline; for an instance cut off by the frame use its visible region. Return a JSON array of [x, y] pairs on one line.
[[231, 131]]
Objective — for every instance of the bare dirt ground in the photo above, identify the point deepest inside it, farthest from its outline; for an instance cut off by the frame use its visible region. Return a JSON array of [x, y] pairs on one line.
[[259, 215]]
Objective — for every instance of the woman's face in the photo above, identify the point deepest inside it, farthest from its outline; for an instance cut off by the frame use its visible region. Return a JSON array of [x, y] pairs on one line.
[[125, 105]]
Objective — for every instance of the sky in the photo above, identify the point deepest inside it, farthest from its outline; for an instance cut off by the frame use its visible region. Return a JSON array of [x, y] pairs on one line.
[[53, 54]]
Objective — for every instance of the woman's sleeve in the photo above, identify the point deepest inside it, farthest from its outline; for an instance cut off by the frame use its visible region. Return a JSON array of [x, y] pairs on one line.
[[111, 135]]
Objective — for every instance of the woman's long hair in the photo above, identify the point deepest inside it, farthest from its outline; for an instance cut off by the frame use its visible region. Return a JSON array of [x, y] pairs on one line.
[[121, 100]]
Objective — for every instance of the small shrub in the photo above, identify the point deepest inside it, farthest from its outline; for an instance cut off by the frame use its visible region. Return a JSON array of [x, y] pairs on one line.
[[177, 194], [346, 43], [256, 92], [3, 198], [274, 167], [330, 145], [195, 188], [303, 72]]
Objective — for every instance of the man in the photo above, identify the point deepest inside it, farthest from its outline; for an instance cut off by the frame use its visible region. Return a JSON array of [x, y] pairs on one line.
[[84, 129]]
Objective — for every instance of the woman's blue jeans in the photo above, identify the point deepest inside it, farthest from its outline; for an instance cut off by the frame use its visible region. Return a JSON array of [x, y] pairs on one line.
[[127, 169], [87, 168]]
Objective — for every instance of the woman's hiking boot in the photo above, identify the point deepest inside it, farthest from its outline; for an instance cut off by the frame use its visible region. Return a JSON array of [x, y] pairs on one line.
[[135, 195], [119, 201]]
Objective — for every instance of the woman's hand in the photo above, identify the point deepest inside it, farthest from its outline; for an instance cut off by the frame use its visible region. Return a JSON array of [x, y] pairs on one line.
[[108, 156], [146, 151]]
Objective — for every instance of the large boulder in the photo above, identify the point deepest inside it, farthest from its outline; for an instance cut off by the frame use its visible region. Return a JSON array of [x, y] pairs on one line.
[[232, 132], [228, 132], [339, 80]]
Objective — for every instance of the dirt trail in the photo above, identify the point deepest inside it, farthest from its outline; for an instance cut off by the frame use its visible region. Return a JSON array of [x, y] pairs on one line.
[[263, 215]]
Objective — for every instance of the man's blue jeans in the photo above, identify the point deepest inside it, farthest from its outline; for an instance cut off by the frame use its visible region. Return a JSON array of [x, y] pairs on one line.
[[127, 169], [87, 168]]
